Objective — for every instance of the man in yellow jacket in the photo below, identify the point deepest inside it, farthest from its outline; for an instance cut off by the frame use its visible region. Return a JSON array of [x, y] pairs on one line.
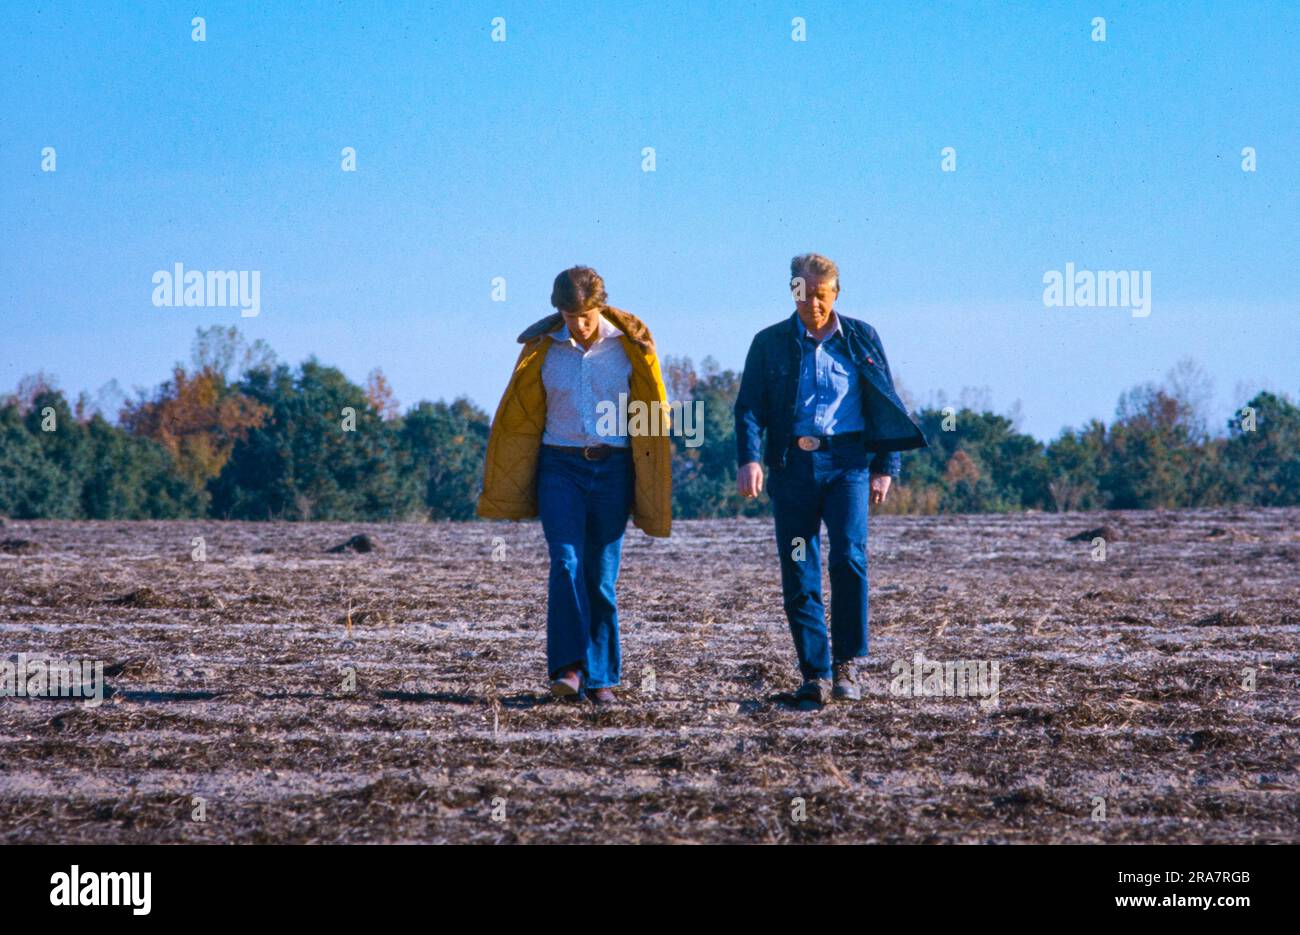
[[554, 453]]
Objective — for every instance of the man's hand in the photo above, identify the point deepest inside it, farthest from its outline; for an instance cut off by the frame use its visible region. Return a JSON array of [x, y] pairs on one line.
[[749, 480], [879, 488]]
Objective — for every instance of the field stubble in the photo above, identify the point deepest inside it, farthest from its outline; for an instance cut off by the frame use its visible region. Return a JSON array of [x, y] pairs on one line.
[[1120, 680]]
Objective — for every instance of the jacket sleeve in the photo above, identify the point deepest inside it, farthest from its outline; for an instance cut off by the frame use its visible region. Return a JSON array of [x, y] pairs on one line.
[[751, 407], [885, 462]]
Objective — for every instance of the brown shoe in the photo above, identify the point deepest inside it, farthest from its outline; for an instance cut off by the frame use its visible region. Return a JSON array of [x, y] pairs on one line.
[[813, 693], [604, 697], [567, 684], [846, 683]]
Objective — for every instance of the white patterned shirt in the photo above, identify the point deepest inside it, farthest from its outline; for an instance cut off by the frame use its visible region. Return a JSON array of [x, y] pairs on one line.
[[578, 381]]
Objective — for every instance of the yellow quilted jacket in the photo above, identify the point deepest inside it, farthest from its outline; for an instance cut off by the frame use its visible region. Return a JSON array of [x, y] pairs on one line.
[[510, 471]]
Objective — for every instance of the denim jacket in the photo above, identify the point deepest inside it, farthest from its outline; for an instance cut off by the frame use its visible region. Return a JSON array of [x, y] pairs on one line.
[[768, 396]]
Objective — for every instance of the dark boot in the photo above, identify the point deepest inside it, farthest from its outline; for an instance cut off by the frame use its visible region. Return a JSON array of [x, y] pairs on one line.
[[813, 693], [846, 682]]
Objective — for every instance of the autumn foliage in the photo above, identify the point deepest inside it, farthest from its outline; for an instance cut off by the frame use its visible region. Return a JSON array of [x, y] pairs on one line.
[[234, 434], [198, 419]]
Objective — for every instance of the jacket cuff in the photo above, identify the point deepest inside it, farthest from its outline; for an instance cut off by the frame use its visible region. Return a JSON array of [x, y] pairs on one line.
[[887, 462]]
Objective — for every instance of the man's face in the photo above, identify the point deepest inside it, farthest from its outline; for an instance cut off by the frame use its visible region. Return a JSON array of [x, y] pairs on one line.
[[817, 302], [583, 325]]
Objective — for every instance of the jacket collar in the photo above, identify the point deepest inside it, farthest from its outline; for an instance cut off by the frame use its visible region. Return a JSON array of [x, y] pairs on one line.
[[844, 327], [605, 329], [633, 328], [800, 329]]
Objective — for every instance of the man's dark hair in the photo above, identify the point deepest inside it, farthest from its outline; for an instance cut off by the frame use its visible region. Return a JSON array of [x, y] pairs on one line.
[[577, 289]]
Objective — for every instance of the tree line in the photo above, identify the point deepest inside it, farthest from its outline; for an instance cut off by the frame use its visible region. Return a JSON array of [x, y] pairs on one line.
[[236, 434]]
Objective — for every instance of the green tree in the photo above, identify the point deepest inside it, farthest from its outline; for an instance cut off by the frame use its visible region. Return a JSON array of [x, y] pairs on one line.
[[1150, 451], [54, 466], [1076, 461], [1261, 457], [323, 453], [57, 435], [31, 487], [133, 478], [976, 462], [704, 475], [445, 445]]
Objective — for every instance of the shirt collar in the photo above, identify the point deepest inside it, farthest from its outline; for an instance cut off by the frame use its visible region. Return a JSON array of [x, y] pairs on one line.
[[805, 333], [605, 329]]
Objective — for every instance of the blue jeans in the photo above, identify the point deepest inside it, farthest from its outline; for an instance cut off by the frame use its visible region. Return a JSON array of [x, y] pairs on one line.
[[832, 485], [584, 507]]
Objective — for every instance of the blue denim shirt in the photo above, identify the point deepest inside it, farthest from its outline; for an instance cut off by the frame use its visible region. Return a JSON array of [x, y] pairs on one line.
[[830, 393], [767, 403]]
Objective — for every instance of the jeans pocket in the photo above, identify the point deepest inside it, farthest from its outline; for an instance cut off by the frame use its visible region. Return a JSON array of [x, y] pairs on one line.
[[776, 477], [852, 457]]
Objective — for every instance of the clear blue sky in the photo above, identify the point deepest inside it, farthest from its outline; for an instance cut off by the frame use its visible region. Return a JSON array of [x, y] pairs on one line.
[[479, 159]]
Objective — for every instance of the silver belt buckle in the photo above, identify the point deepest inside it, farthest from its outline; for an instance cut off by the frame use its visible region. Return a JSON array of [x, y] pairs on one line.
[[809, 443]]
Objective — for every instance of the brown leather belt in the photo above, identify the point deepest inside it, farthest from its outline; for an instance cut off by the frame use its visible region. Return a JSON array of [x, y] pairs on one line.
[[589, 453]]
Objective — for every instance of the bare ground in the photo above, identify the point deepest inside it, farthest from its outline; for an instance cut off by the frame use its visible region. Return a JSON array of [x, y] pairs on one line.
[[1121, 680]]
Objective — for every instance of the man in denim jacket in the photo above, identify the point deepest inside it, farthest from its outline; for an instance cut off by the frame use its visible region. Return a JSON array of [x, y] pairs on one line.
[[818, 386]]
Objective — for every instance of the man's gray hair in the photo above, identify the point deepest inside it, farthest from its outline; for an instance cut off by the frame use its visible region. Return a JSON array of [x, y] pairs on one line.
[[813, 266]]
